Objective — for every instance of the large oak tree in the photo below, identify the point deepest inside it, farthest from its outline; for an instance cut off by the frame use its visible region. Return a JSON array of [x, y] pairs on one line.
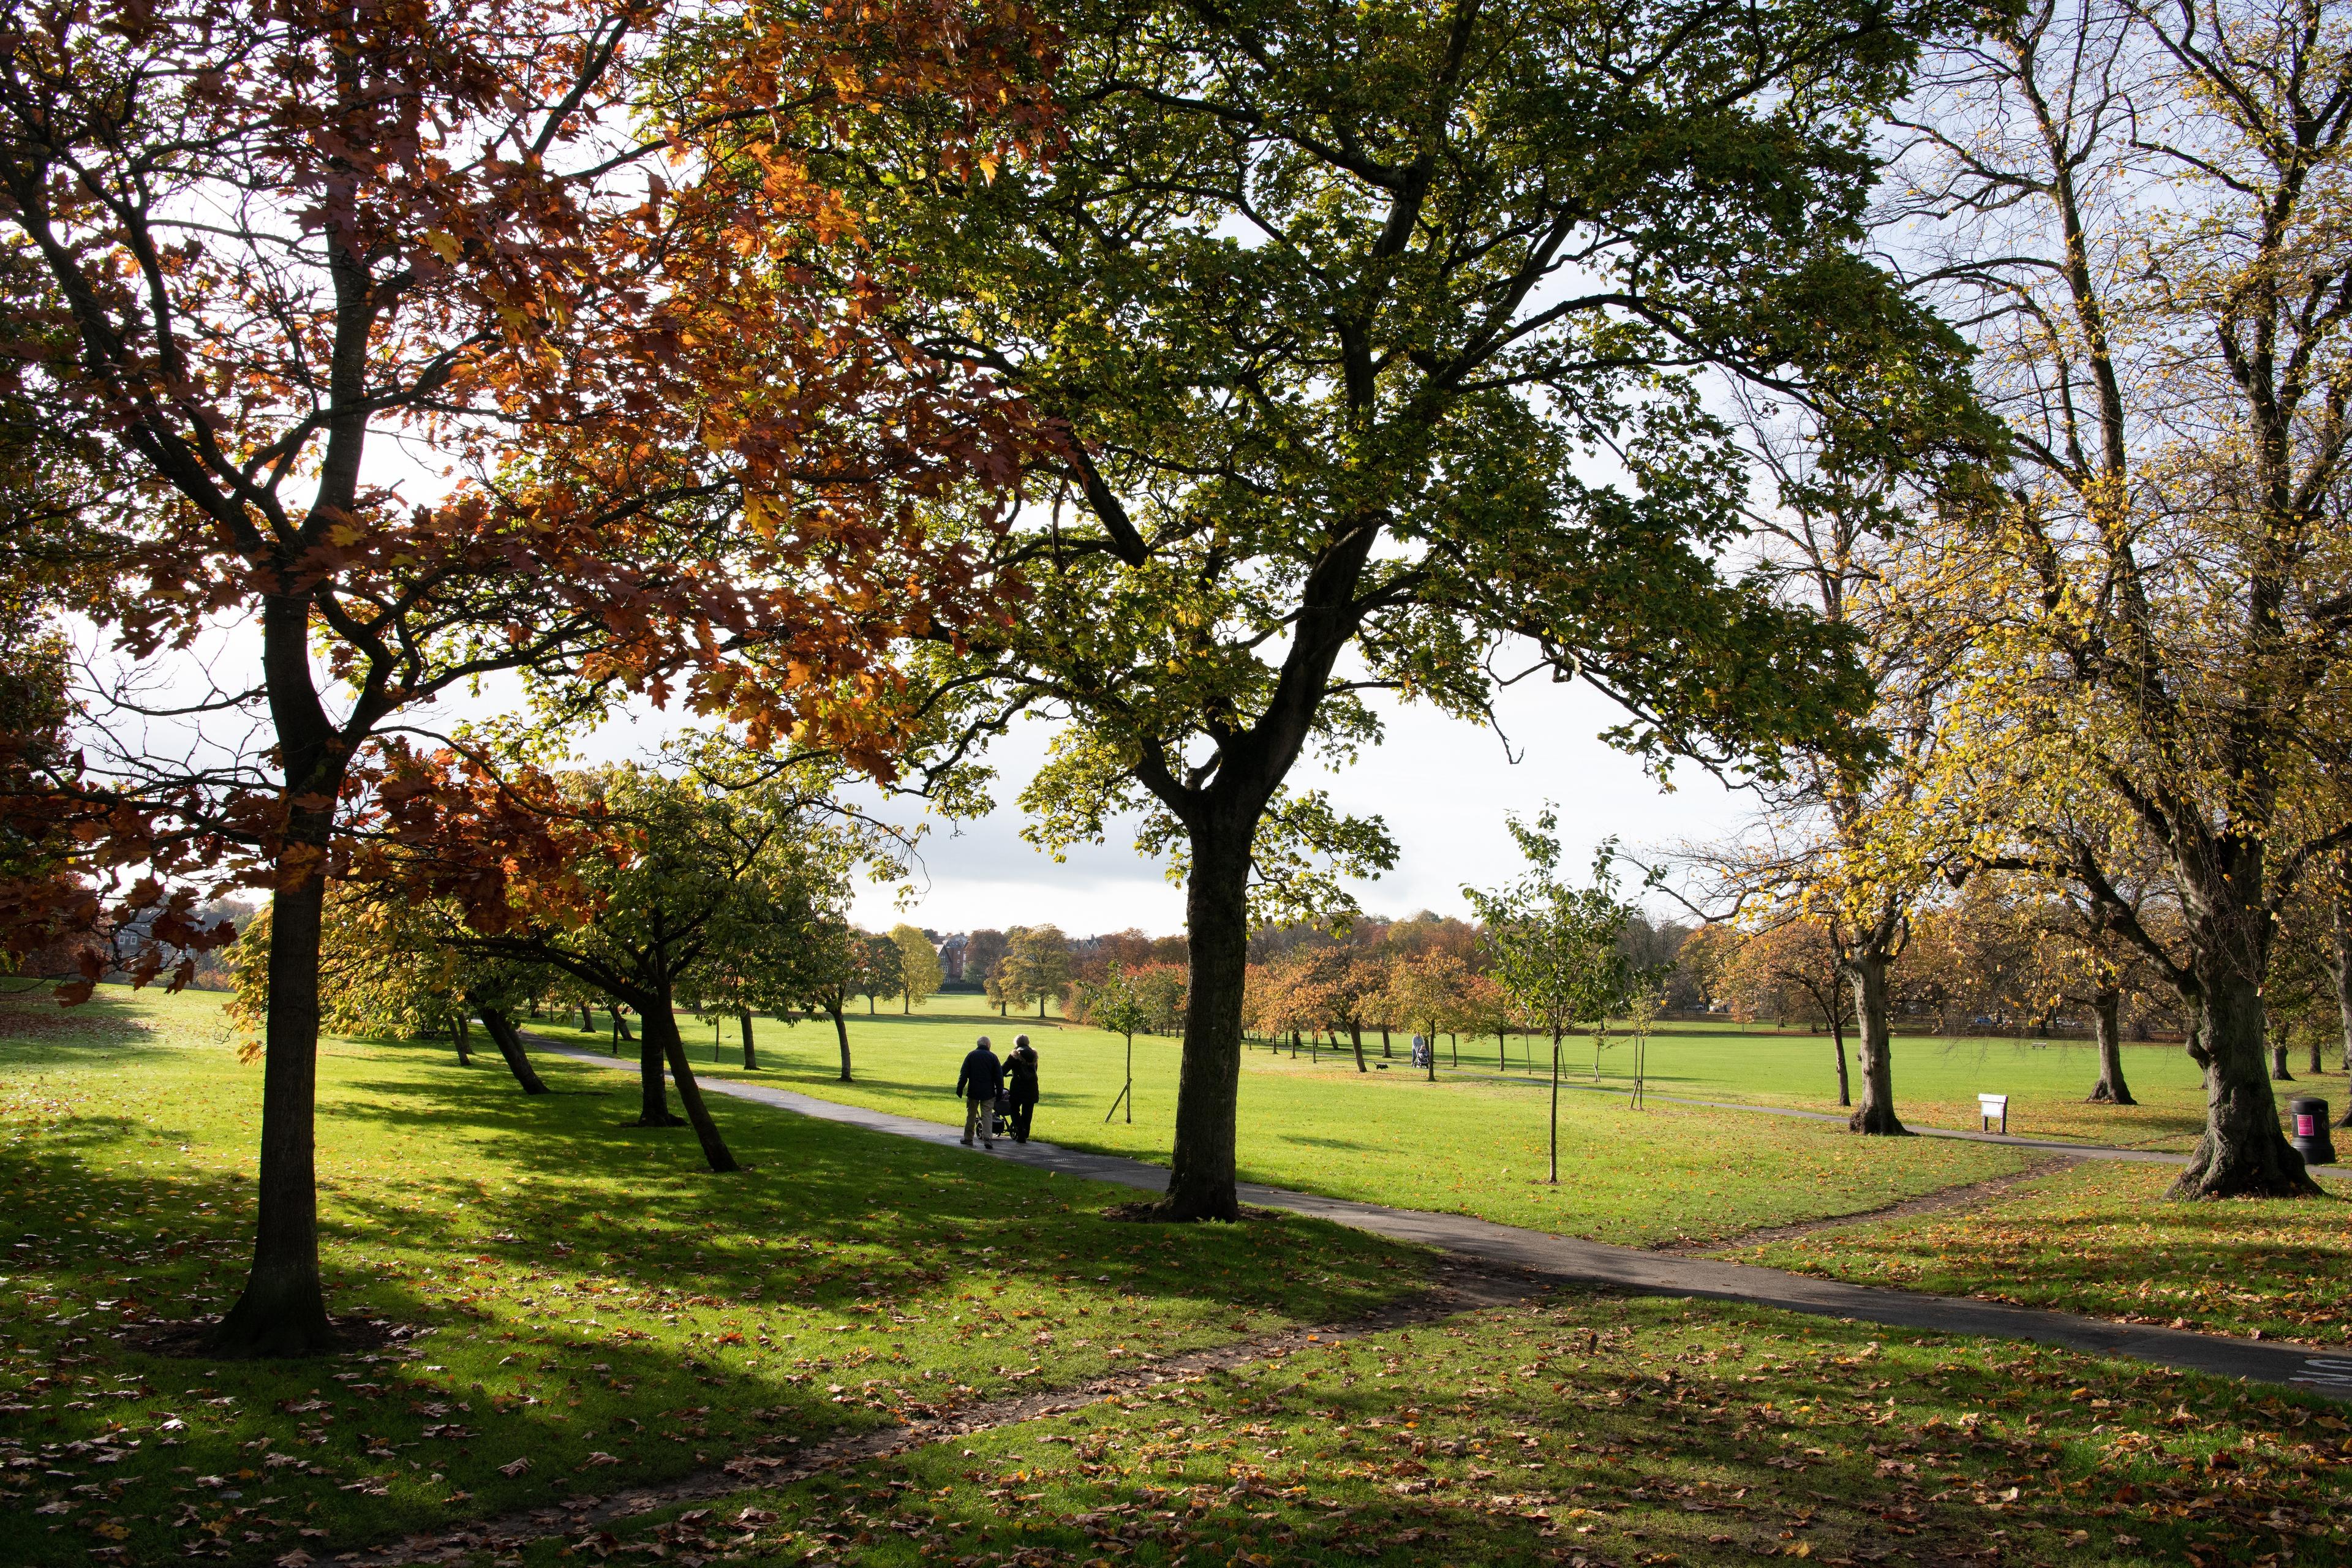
[[1375, 337], [2140, 207], [250, 244]]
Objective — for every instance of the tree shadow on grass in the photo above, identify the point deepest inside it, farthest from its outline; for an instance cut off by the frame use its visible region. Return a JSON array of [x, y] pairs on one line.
[[35, 1031], [584, 1290], [807, 1178]]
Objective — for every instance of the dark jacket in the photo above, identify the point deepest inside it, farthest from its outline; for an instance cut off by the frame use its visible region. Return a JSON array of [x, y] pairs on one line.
[[982, 1075], [1021, 1075]]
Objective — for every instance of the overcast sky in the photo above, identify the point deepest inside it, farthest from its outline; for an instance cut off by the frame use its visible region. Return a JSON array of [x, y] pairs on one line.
[[1444, 788]]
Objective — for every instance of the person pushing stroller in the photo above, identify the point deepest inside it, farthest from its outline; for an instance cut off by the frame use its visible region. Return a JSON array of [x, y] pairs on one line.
[[1021, 1086], [980, 1082]]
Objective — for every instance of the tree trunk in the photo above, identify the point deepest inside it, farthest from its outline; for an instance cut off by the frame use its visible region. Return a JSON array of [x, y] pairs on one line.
[[587, 1019], [2106, 1009], [1837, 1034], [621, 1026], [1555, 1107], [1386, 1054], [1876, 1114], [841, 1029], [662, 1022], [653, 1097], [1201, 1179], [2343, 968], [1356, 1038], [750, 1057], [2279, 1073], [460, 1036], [2242, 1153], [502, 1034], [282, 1311]]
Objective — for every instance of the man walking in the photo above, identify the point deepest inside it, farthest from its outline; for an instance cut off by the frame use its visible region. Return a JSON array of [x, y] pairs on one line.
[[1021, 1075], [981, 1077]]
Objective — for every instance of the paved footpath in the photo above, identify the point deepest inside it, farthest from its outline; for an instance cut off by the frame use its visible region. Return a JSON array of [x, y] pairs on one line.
[[1566, 1257]]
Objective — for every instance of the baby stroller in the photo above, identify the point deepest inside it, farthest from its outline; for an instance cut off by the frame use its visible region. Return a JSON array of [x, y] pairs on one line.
[[1000, 1115]]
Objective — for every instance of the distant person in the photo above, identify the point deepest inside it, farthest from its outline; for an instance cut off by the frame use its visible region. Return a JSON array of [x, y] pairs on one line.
[[1020, 1078], [979, 1083]]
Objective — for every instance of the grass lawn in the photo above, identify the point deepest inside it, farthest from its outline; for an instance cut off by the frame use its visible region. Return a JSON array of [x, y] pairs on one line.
[[1936, 1079], [597, 1308], [2099, 1238], [1466, 1144], [1587, 1430]]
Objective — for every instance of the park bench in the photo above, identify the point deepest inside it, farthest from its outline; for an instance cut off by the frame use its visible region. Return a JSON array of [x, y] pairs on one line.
[[1992, 1107]]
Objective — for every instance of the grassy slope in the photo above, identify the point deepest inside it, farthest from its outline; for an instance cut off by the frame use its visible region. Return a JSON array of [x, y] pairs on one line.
[[1465, 1144], [589, 1290], [1587, 1430], [2099, 1238]]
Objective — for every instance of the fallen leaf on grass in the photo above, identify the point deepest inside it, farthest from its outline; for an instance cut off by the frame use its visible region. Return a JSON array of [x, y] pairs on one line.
[[515, 1466]]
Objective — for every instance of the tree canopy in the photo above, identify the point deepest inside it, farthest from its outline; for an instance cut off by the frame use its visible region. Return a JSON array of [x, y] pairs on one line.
[[1329, 310]]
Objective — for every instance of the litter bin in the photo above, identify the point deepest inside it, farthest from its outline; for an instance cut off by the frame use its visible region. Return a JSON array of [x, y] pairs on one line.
[[2308, 1124]]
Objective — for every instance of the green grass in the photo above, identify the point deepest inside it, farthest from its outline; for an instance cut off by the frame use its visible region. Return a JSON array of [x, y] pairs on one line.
[[599, 1309], [1589, 1429], [1938, 1080], [1465, 1144], [2099, 1238]]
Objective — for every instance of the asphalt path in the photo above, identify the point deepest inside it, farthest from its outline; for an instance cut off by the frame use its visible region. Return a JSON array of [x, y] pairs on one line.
[[1566, 1257]]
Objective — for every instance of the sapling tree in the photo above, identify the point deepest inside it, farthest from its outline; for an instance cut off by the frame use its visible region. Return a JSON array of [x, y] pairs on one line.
[[1554, 947], [1112, 1005]]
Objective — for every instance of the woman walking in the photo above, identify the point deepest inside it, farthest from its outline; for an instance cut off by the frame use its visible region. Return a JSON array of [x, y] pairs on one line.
[[1021, 1079]]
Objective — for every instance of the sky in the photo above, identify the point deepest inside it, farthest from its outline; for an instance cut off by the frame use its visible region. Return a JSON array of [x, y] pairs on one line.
[[1444, 787]]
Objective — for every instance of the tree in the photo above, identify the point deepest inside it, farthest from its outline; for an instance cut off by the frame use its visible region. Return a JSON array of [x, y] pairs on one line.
[[1791, 968], [384, 969], [919, 966], [1429, 989], [1554, 947], [1160, 988], [681, 876], [2136, 206], [793, 953], [1845, 848], [831, 972], [878, 964], [1328, 306], [982, 952], [248, 241], [1348, 990], [1643, 1005], [1112, 1005], [1037, 966]]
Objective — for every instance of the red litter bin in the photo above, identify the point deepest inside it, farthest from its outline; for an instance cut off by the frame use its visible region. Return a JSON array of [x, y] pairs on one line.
[[2307, 1123]]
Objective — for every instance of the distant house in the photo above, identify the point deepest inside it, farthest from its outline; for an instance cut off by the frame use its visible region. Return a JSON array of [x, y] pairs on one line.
[[952, 952]]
